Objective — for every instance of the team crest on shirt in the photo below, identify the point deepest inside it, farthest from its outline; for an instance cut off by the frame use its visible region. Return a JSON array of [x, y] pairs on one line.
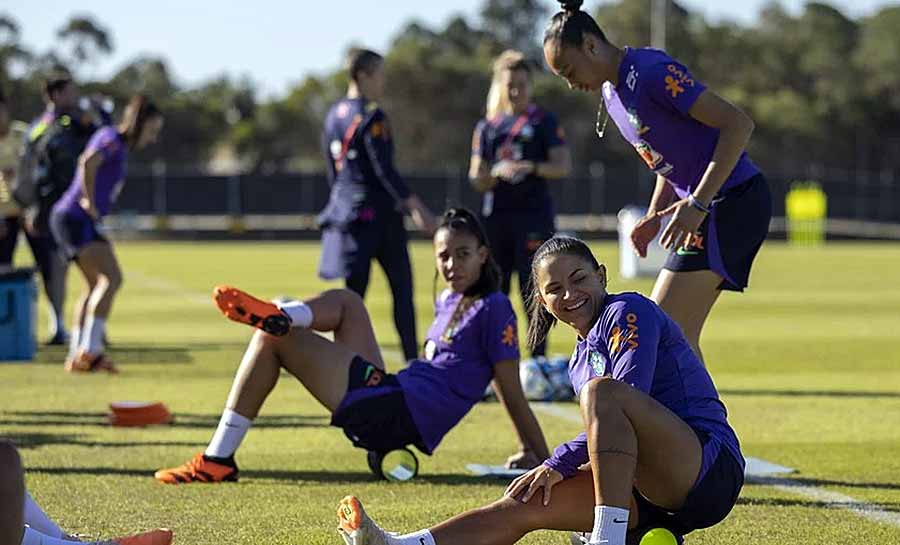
[[597, 362], [527, 132], [430, 349]]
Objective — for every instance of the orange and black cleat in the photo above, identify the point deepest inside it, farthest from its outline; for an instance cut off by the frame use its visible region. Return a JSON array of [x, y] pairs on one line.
[[198, 469], [242, 307], [86, 362]]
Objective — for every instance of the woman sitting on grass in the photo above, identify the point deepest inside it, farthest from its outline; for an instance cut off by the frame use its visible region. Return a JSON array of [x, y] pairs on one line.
[[471, 342], [660, 448]]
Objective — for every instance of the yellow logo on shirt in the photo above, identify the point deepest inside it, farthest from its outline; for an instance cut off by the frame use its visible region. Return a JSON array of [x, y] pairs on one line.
[[677, 80]]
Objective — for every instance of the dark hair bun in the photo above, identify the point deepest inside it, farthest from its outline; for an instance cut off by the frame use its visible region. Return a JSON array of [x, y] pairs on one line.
[[571, 5]]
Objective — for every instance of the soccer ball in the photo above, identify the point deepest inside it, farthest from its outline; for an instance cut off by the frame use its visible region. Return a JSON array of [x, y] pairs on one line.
[[535, 383]]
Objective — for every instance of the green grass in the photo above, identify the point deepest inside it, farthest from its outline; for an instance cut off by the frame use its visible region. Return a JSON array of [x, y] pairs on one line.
[[808, 361]]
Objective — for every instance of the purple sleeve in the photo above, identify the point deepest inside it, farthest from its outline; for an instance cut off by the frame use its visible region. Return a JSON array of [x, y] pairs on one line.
[[501, 336], [380, 148], [552, 133], [632, 331], [569, 456], [672, 83], [106, 141]]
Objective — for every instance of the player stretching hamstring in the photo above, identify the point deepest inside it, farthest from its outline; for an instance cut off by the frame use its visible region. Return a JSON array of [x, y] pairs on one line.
[[661, 451], [471, 341]]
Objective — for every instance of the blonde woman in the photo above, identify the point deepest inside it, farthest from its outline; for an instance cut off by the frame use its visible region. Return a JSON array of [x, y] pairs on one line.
[[516, 149]]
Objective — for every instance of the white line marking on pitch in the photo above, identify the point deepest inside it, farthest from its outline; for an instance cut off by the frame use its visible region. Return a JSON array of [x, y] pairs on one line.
[[832, 500], [157, 283]]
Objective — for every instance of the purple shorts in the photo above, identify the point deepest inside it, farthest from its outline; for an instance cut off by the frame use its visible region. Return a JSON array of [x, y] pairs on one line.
[[73, 229]]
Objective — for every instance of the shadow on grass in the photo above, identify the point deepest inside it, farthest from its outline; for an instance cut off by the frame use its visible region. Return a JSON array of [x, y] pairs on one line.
[[804, 481], [34, 440], [125, 354], [291, 477], [808, 393], [781, 502], [182, 420]]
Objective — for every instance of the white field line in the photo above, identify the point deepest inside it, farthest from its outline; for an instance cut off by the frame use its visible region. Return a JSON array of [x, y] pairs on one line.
[[832, 500], [162, 285]]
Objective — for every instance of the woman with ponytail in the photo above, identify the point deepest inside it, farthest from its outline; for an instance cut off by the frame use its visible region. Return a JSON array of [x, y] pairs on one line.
[[471, 342], [694, 141], [516, 149], [76, 225], [657, 450]]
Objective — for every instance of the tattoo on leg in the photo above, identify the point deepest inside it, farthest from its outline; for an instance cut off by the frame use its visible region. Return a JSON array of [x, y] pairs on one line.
[[614, 451]]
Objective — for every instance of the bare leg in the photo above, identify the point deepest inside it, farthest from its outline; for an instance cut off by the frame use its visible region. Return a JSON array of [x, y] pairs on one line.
[[97, 260], [342, 311], [628, 418], [12, 495], [688, 298]]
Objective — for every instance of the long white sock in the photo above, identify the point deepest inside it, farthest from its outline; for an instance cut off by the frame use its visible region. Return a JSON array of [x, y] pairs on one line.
[[74, 343], [299, 313], [422, 537], [92, 336], [35, 517], [229, 434], [610, 525]]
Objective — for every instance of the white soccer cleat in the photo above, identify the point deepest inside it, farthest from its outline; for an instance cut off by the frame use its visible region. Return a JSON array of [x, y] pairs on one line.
[[356, 527]]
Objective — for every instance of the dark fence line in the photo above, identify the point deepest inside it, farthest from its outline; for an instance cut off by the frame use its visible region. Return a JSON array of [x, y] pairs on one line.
[[872, 198]]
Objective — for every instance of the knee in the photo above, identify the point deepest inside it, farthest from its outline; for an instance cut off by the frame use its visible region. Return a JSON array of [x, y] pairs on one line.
[[600, 393], [10, 462], [114, 281]]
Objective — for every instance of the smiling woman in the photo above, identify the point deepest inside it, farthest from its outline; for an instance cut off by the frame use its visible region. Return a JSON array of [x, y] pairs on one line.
[[694, 141]]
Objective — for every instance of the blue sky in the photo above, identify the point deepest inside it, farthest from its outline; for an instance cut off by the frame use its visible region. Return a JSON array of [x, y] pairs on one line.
[[277, 43]]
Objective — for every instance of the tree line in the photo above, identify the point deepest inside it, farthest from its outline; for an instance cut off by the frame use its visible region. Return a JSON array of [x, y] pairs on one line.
[[823, 88]]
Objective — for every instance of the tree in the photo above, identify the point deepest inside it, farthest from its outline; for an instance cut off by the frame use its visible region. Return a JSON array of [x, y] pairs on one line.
[[515, 23], [85, 39]]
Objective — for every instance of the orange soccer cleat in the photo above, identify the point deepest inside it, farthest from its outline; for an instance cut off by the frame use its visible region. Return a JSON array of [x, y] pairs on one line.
[[242, 307], [85, 362], [355, 526], [198, 469], [161, 536]]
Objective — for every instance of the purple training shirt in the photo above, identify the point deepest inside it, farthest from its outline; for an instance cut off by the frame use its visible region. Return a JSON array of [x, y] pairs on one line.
[[650, 106], [635, 342], [458, 364], [110, 176]]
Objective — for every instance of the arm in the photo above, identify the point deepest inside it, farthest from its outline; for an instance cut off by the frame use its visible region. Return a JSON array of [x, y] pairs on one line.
[[89, 164], [479, 164], [647, 227], [509, 392], [735, 128], [557, 166], [569, 456]]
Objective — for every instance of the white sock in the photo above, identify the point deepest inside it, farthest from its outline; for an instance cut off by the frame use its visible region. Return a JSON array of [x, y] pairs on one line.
[[299, 313], [74, 343], [92, 336], [422, 537], [229, 434], [35, 517], [610, 525]]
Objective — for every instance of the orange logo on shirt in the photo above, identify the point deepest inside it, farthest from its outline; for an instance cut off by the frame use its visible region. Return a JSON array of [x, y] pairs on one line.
[[509, 335], [627, 338], [673, 87], [379, 129]]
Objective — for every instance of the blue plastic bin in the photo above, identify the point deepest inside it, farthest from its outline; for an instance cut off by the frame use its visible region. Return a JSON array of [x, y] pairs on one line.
[[18, 314]]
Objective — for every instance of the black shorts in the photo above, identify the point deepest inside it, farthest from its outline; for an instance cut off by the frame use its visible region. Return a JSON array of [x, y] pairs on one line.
[[374, 414], [707, 504], [731, 236]]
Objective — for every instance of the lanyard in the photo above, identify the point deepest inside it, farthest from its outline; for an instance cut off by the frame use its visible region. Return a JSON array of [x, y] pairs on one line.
[[506, 147]]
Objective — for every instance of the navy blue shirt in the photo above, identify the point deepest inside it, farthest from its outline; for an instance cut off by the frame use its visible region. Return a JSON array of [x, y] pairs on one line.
[[525, 137], [359, 156]]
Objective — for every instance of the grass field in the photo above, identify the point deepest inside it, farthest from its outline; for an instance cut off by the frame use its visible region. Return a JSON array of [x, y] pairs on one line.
[[808, 362]]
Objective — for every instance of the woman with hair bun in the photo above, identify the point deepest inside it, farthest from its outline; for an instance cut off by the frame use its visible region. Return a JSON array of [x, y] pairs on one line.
[[694, 141]]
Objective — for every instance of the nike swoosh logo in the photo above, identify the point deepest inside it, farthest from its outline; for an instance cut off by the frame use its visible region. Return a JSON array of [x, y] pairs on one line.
[[617, 521], [682, 251]]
